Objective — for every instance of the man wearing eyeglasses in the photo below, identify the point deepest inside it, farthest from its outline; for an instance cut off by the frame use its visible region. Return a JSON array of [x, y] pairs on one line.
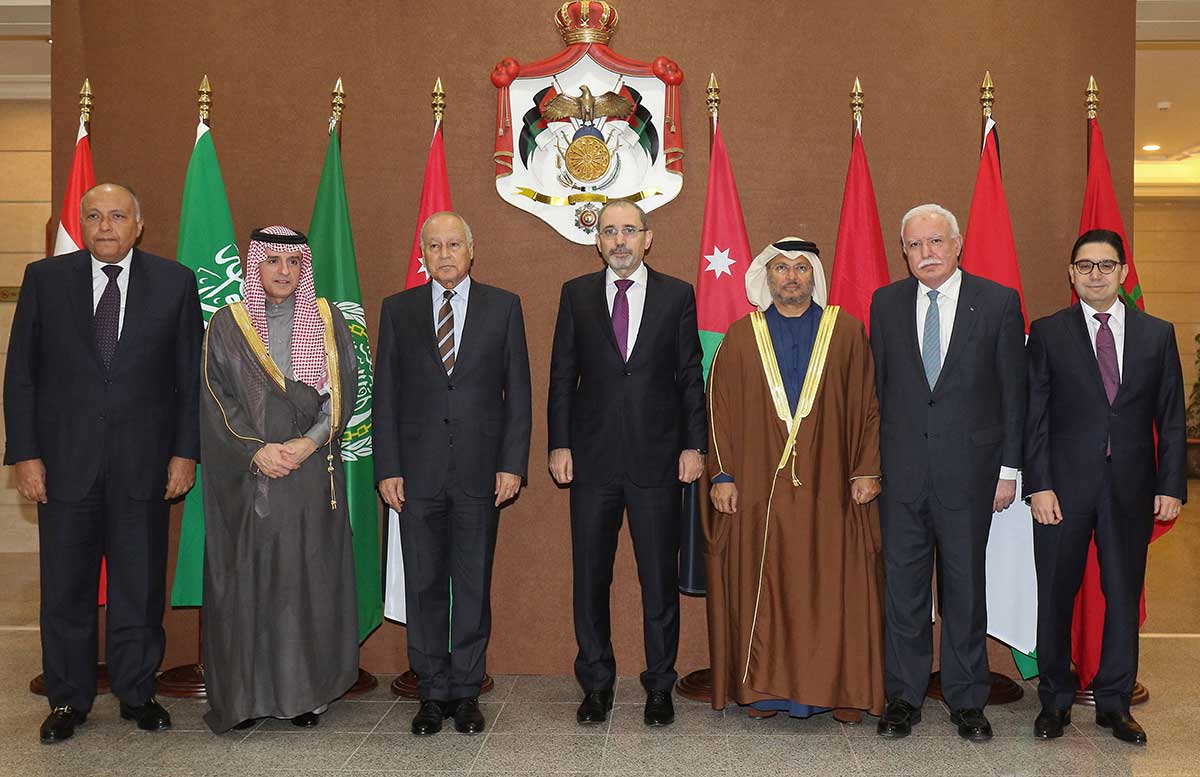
[[1104, 377], [626, 426]]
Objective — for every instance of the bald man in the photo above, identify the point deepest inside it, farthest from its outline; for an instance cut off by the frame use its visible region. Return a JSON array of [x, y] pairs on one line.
[[101, 407]]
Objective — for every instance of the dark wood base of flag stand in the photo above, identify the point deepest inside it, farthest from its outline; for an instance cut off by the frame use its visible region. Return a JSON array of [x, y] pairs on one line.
[[1084, 696], [696, 685], [183, 682], [1005, 690], [406, 685], [38, 684], [365, 683]]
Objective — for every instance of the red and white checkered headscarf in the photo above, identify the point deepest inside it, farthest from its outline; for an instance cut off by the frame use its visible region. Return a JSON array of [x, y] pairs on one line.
[[308, 331]]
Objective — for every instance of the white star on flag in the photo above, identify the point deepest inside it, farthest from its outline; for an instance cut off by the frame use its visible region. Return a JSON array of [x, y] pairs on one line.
[[423, 271], [719, 262]]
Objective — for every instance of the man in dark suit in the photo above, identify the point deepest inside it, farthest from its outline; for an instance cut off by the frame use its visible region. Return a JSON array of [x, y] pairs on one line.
[[1103, 378], [101, 402], [627, 425], [452, 423], [950, 372]]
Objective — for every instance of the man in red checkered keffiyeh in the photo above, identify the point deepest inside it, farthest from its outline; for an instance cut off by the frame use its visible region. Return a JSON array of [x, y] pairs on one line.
[[308, 332]]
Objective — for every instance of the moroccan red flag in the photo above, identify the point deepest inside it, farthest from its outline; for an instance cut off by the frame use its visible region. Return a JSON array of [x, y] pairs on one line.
[[989, 250], [720, 300], [69, 237], [435, 197], [1100, 211], [859, 259]]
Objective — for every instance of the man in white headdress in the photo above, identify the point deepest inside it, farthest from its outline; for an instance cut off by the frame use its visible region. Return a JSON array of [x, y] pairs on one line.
[[793, 546]]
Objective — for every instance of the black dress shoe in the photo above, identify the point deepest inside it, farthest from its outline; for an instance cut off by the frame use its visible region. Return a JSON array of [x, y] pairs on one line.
[[306, 720], [1123, 726], [60, 724], [468, 719], [149, 716], [245, 724], [898, 719], [1050, 722], [972, 725], [660, 711], [595, 706], [428, 719]]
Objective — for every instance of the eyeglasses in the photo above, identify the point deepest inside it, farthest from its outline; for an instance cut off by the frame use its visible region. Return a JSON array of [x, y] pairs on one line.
[[627, 231], [1107, 266], [786, 269]]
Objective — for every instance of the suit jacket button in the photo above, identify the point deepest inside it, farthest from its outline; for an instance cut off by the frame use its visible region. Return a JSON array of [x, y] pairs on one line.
[[925, 435], [628, 373], [930, 403], [446, 420], [450, 387]]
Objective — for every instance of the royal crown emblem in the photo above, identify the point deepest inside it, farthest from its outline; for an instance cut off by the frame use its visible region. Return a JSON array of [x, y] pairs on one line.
[[592, 126]]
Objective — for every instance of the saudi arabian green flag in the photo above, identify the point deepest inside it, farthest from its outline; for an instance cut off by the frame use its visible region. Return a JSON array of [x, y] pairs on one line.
[[207, 247], [335, 273]]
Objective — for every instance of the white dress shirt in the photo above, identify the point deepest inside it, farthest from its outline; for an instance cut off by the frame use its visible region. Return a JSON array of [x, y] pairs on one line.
[[1116, 323], [636, 294], [458, 305], [100, 283], [947, 302]]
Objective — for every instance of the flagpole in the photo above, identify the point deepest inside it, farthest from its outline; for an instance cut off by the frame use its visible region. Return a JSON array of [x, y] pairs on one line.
[[38, 684], [1085, 696], [187, 680], [698, 684], [405, 684]]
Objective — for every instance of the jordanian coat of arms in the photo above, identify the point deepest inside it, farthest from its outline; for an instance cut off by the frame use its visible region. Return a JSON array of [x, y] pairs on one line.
[[586, 126]]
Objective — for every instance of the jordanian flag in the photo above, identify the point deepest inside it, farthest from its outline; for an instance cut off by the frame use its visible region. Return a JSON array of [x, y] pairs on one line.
[[335, 273], [206, 246], [720, 300]]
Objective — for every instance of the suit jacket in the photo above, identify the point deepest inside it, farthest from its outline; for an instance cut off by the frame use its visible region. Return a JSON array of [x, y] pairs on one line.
[[627, 418], [477, 419], [957, 435], [1070, 423], [62, 406]]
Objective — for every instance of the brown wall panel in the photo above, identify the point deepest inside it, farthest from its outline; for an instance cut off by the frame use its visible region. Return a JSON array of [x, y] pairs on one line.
[[785, 69]]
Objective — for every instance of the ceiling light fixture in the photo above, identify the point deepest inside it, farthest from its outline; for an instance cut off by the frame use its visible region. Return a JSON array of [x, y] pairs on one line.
[[1151, 147]]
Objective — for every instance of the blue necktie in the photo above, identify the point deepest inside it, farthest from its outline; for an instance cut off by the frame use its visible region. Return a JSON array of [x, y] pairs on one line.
[[931, 347]]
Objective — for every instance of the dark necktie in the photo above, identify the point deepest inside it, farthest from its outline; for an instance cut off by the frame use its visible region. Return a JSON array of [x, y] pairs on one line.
[[445, 331], [1106, 355], [620, 316], [108, 316]]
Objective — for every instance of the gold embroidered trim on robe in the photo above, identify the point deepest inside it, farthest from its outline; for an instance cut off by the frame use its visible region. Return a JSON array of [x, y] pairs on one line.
[[331, 367], [808, 395], [217, 399], [242, 317]]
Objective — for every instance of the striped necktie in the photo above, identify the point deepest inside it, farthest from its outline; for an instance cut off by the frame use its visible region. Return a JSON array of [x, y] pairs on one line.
[[931, 345], [445, 331]]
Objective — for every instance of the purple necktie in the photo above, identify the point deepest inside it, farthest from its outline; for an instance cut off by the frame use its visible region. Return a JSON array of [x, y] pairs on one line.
[[107, 317], [1106, 354], [620, 315]]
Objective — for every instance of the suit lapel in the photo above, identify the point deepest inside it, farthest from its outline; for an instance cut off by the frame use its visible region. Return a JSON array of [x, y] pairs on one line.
[[597, 301], [964, 321], [476, 313], [652, 312], [80, 273], [137, 298], [908, 305], [424, 323], [1083, 347], [1133, 334]]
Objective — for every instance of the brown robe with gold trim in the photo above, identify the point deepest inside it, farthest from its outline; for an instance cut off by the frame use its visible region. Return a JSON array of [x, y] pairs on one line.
[[804, 621]]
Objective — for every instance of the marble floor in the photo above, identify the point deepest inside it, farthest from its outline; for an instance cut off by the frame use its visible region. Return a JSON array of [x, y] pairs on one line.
[[531, 727]]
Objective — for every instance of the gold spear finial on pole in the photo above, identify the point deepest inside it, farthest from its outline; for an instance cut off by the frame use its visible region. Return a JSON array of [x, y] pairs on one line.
[[438, 103], [337, 103], [204, 98], [1093, 98], [987, 94], [85, 102], [714, 95], [856, 102]]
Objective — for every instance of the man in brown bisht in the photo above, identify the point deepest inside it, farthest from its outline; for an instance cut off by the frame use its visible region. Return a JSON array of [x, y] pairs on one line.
[[793, 546]]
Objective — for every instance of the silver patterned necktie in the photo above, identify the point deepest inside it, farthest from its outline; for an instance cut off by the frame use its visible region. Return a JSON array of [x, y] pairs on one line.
[[445, 332], [931, 347]]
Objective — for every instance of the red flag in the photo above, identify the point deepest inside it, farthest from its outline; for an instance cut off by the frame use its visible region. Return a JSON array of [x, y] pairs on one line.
[[1100, 211], [989, 250], [83, 177], [859, 259], [724, 254], [435, 197], [70, 235]]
